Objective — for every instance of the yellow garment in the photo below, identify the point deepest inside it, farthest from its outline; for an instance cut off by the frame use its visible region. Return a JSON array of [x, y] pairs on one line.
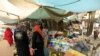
[[72, 52], [5, 49]]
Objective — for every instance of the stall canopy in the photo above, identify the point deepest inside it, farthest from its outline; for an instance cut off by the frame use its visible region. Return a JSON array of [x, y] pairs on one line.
[[17, 8], [45, 12], [9, 21], [32, 8], [72, 5]]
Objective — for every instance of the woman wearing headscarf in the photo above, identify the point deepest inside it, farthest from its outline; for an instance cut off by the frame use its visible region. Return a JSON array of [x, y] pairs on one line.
[[8, 36], [21, 41], [6, 45], [38, 41]]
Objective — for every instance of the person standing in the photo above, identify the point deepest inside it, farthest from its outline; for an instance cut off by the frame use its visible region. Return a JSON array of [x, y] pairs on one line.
[[8, 36], [45, 32], [93, 42], [38, 41], [21, 41]]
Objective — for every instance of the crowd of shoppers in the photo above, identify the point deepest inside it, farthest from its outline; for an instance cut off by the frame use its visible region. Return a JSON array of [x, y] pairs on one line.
[[28, 42]]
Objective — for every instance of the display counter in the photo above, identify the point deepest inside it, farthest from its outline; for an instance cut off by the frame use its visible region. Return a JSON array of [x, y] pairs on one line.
[[69, 52]]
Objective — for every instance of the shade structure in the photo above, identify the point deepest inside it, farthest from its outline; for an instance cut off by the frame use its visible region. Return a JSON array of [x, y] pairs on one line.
[[45, 12], [20, 8], [9, 21], [72, 5], [1, 22]]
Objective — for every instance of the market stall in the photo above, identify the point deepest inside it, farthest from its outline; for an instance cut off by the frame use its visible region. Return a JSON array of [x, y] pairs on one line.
[[64, 46]]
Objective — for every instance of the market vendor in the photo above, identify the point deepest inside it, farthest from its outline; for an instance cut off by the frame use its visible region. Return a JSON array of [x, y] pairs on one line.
[[94, 41]]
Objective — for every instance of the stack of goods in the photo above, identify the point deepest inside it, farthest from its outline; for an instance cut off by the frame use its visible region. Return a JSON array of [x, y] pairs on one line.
[[68, 46], [60, 44]]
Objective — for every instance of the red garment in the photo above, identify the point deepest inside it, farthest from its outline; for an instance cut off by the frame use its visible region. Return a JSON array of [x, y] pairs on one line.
[[38, 29], [8, 36]]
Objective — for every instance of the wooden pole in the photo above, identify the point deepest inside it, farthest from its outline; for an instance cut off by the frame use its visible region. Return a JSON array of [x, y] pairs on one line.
[[18, 19], [90, 23]]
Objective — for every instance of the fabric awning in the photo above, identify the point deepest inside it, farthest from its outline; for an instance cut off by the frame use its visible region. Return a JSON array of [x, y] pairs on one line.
[[45, 12], [16, 7]]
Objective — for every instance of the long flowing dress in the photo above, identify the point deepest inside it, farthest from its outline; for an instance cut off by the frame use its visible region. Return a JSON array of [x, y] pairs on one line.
[[22, 42], [38, 44]]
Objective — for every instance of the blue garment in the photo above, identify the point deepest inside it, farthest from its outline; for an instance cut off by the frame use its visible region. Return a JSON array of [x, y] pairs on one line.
[[81, 47], [46, 52]]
